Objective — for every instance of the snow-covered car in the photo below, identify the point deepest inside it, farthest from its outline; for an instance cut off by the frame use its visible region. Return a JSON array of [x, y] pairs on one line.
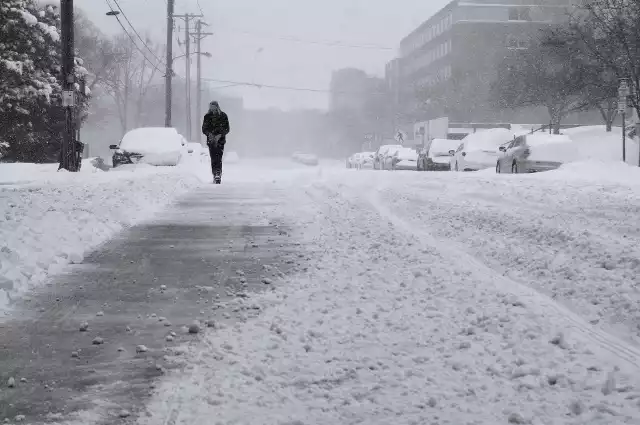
[[366, 160], [352, 161], [479, 151], [305, 158], [157, 146], [405, 159], [535, 153], [382, 155], [437, 156]]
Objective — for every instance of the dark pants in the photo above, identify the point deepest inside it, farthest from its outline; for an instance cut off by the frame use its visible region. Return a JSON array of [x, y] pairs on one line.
[[216, 153]]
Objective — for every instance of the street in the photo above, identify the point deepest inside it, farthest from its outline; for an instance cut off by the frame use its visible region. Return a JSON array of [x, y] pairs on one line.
[[370, 297]]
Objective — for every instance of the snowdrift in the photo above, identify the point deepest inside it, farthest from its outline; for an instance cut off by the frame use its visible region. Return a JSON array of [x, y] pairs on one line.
[[56, 217]]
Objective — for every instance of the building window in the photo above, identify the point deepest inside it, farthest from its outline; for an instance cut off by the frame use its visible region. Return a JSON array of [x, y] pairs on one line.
[[519, 14]]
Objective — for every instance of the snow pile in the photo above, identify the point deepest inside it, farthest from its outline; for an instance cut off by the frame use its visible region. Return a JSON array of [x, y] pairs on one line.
[[385, 328], [54, 221], [595, 143]]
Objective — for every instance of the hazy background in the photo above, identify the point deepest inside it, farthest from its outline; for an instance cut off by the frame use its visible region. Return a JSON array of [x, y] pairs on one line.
[[243, 27]]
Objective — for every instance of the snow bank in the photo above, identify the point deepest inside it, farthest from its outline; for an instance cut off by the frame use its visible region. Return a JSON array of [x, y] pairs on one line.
[[595, 143], [55, 218]]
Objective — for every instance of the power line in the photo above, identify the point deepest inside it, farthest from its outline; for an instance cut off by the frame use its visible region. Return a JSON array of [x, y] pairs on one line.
[[329, 43], [136, 32], [132, 40], [277, 87], [199, 7]]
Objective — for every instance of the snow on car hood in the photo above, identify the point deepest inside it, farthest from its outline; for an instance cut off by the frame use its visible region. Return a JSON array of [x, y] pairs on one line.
[[152, 140], [440, 159]]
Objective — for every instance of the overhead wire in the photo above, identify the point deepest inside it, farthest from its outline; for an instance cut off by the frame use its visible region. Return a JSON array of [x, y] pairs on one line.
[[328, 43], [132, 40], [278, 87], [138, 34]]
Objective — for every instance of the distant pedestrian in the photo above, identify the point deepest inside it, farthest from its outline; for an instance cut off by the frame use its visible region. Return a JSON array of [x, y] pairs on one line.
[[216, 127]]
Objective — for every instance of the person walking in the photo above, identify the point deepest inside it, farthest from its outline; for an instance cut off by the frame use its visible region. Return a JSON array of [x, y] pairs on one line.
[[215, 126]]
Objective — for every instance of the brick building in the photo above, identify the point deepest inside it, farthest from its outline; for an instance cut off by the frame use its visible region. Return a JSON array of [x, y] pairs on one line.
[[452, 58]]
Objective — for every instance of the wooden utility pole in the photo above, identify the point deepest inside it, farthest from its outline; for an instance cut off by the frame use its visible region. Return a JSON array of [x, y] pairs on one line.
[[199, 36], [169, 70], [187, 20], [68, 157]]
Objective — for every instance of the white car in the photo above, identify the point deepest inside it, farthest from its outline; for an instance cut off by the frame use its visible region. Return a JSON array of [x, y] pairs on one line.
[[405, 159], [534, 153], [382, 155], [479, 151], [366, 160], [352, 161], [158, 146], [437, 156]]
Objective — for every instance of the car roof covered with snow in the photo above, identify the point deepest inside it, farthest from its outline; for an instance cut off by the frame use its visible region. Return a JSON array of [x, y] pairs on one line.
[[147, 140], [490, 139], [441, 147]]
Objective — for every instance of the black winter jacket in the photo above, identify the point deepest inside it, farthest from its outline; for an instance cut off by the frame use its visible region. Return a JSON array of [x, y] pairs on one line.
[[216, 124]]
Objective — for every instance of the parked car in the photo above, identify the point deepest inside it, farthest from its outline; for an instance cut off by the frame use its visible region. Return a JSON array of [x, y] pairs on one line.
[[352, 161], [382, 154], [405, 159], [305, 158], [158, 146], [366, 160], [479, 151], [437, 156], [534, 153]]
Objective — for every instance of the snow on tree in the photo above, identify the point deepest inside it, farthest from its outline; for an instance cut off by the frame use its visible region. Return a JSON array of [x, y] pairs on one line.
[[30, 89]]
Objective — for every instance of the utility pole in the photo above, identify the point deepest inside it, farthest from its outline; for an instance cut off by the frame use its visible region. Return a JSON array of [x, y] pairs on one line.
[[187, 60], [187, 20], [68, 159], [169, 70], [199, 36]]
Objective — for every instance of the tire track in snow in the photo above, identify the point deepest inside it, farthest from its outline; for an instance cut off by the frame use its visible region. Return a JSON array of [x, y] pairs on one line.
[[595, 338]]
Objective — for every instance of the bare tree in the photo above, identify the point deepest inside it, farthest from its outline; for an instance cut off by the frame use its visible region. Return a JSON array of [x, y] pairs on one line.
[[610, 31], [129, 79], [548, 74]]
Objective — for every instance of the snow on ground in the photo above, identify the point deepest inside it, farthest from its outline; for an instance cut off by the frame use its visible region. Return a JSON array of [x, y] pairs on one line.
[[50, 219], [596, 144], [393, 319]]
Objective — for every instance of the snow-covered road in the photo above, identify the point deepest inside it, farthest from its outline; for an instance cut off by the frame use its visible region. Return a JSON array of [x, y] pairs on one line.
[[436, 298]]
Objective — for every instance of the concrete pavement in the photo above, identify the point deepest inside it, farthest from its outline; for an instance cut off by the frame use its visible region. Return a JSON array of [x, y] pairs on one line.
[[194, 250]]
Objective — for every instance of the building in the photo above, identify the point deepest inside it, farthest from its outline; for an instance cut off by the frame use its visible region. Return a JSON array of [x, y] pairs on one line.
[[447, 65]]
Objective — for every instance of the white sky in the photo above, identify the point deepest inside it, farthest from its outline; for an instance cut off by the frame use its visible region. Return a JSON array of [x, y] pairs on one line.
[[282, 63]]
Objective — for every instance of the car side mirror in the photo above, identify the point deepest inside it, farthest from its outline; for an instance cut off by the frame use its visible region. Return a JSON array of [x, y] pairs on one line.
[[452, 152], [114, 147], [502, 149], [464, 154]]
